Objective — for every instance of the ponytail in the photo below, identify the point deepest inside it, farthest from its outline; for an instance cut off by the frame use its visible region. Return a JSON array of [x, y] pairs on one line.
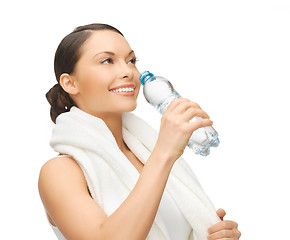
[[59, 100]]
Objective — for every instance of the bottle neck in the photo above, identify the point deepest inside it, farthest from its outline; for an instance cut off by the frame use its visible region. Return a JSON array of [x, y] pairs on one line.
[[149, 79]]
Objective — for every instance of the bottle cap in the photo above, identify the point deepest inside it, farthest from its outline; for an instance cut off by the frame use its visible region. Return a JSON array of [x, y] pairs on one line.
[[144, 76]]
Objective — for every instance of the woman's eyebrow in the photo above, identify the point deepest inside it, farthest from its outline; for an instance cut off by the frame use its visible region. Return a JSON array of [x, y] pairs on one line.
[[111, 53]]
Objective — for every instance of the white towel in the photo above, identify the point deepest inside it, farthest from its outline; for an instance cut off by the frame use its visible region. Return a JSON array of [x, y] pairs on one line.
[[111, 176]]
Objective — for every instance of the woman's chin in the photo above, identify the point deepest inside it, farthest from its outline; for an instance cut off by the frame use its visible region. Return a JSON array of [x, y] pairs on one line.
[[129, 107], [132, 108]]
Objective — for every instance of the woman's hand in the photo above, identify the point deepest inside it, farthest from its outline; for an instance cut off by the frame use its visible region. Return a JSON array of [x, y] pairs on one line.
[[176, 128], [224, 230]]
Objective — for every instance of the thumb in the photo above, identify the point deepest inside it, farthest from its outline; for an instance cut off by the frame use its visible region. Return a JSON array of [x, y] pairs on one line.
[[221, 213]]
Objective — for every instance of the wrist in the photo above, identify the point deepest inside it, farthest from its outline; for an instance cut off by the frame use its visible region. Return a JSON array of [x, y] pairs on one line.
[[163, 156]]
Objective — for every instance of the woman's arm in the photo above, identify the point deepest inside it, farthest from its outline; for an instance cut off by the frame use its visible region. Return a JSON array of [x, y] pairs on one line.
[[134, 218], [64, 193]]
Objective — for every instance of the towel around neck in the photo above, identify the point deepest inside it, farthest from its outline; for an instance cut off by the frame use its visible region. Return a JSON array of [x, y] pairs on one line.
[[111, 177]]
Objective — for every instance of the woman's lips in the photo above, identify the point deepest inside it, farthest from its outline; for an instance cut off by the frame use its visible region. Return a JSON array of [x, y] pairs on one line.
[[124, 86]]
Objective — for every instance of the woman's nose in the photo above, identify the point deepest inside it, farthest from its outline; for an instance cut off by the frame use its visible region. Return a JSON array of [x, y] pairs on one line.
[[126, 71]]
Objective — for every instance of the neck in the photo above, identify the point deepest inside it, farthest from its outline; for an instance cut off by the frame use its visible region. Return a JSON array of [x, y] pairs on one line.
[[114, 123]]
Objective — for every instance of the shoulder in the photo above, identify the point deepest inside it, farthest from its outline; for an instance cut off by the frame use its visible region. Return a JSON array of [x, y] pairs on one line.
[[66, 199], [60, 173], [60, 166], [58, 162]]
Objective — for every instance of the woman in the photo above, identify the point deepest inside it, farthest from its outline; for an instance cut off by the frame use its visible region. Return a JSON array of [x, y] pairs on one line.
[[89, 63]]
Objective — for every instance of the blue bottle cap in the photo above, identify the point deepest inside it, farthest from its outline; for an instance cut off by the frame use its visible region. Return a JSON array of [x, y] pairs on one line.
[[144, 76]]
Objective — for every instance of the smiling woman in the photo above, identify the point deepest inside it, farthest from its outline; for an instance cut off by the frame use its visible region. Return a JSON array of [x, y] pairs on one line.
[[110, 179]]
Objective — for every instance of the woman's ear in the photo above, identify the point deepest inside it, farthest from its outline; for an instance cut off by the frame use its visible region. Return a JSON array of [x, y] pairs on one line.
[[68, 84]]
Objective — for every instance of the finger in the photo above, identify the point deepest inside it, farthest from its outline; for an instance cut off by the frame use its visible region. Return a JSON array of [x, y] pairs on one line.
[[221, 210], [225, 224], [184, 105], [174, 103], [181, 104], [237, 233], [200, 123], [222, 234], [190, 113], [221, 213]]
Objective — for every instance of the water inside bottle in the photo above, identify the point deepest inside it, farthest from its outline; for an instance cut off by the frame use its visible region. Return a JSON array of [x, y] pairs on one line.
[[163, 106]]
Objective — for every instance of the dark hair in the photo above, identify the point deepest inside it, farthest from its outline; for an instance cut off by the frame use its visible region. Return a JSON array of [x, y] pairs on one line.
[[66, 57]]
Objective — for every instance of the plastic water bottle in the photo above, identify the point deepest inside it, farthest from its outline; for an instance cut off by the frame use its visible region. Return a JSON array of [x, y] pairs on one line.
[[159, 92]]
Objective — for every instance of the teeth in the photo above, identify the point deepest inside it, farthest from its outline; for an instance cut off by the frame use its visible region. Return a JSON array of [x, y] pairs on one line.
[[123, 90]]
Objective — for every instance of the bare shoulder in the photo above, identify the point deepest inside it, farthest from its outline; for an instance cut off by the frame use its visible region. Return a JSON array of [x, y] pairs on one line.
[[65, 196], [57, 176], [61, 169], [59, 164]]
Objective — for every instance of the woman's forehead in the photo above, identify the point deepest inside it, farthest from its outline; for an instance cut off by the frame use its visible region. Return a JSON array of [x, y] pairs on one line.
[[106, 40]]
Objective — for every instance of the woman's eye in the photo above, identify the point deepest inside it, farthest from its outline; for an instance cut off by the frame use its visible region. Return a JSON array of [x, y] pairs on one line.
[[108, 59], [134, 60]]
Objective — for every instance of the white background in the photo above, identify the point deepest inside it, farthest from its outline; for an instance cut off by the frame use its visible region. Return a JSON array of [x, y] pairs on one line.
[[231, 57]]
